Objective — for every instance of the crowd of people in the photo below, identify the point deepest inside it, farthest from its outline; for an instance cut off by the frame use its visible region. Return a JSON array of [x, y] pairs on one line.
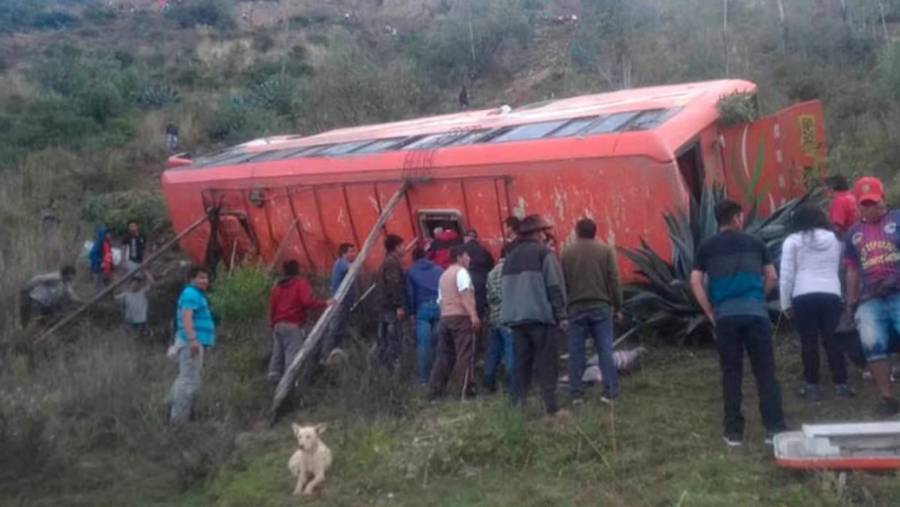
[[839, 284]]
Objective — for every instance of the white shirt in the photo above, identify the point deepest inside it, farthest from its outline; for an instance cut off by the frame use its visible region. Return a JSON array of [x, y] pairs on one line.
[[463, 282], [809, 265]]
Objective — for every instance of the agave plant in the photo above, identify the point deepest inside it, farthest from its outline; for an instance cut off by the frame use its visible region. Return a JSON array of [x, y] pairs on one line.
[[663, 301]]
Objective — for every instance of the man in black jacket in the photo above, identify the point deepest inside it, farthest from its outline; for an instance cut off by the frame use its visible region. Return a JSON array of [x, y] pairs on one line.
[[393, 301], [534, 307], [482, 262]]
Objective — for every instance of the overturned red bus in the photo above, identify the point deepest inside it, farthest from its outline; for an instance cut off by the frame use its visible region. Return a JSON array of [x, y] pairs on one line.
[[621, 158]]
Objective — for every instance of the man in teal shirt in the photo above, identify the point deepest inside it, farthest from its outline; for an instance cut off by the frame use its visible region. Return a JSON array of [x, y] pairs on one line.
[[196, 332]]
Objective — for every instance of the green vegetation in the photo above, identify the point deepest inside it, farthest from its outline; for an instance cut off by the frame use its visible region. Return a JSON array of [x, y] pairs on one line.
[[241, 294], [660, 446], [664, 302], [85, 94]]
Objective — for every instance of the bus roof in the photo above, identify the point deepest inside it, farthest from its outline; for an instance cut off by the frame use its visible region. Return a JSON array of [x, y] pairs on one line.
[[667, 116]]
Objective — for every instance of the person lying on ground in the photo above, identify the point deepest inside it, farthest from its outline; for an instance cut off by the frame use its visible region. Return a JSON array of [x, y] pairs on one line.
[[47, 293]]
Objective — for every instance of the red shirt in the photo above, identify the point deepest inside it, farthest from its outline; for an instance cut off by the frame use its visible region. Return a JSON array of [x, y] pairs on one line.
[[290, 300], [843, 212]]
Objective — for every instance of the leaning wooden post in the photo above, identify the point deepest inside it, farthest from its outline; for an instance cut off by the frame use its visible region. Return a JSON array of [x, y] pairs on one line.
[[318, 331], [81, 309]]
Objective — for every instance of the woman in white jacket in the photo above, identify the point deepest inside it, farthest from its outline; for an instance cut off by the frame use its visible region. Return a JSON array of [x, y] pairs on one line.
[[811, 296]]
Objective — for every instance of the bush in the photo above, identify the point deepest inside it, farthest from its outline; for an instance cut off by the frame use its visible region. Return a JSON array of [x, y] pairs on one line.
[[241, 295], [116, 209], [737, 108], [99, 14], [216, 13], [54, 20], [446, 54], [157, 96]]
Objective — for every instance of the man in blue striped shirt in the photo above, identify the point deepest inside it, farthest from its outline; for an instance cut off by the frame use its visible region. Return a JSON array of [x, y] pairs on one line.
[[739, 273], [195, 333]]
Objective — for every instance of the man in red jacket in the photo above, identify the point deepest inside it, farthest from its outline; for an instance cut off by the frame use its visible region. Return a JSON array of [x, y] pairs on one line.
[[291, 301]]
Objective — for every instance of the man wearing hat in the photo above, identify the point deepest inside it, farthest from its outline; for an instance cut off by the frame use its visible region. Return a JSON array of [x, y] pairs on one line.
[[534, 307], [872, 258]]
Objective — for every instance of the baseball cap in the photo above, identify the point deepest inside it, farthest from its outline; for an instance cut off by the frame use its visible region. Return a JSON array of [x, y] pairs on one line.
[[868, 188]]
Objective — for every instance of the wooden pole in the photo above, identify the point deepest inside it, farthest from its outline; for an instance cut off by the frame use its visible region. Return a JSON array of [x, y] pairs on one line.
[[122, 280], [318, 331]]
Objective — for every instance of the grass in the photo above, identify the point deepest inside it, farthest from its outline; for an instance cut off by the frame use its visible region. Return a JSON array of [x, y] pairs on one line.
[[660, 446]]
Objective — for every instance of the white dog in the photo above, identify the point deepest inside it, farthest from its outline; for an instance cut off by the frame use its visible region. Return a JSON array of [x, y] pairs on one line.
[[311, 461]]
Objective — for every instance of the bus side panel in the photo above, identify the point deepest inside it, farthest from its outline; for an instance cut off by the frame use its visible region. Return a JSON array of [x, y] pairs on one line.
[[337, 218], [625, 197], [484, 212], [769, 160], [365, 208]]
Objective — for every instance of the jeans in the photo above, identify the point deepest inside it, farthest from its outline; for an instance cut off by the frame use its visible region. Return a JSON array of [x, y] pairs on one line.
[[753, 333], [875, 319], [535, 350], [427, 317], [287, 339], [390, 340], [338, 329], [500, 349], [186, 385], [597, 324], [816, 317]]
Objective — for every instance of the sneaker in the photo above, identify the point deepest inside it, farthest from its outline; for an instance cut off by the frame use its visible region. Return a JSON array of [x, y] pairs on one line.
[[843, 391], [734, 441], [888, 407], [810, 392], [577, 401], [866, 375], [609, 400]]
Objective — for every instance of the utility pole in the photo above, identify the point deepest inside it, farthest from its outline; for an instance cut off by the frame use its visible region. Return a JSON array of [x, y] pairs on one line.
[[725, 37]]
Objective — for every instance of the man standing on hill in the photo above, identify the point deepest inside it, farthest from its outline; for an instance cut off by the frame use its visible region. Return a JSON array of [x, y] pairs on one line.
[[134, 246], [843, 211], [592, 280], [480, 264], [872, 258], [500, 338], [290, 303], [422, 280], [534, 307], [456, 331], [393, 302], [739, 272], [195, 333], [340, 323]]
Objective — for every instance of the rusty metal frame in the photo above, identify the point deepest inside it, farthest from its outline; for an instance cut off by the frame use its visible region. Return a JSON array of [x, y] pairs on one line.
[[328, 243], [299, 228]]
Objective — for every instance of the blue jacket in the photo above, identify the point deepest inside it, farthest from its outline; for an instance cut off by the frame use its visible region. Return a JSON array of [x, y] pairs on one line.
[[422, 283], [96, 253], [341, 266]]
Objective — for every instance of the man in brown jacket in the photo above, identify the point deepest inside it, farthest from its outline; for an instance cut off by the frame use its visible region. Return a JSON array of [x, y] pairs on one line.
[[393, 302], [456, 330], [594, 297]]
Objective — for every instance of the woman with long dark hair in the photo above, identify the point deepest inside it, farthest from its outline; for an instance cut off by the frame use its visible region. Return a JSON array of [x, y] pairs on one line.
[[811, 296]]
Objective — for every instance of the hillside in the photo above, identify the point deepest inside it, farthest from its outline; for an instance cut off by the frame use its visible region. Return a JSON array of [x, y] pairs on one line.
[[87, 88]]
